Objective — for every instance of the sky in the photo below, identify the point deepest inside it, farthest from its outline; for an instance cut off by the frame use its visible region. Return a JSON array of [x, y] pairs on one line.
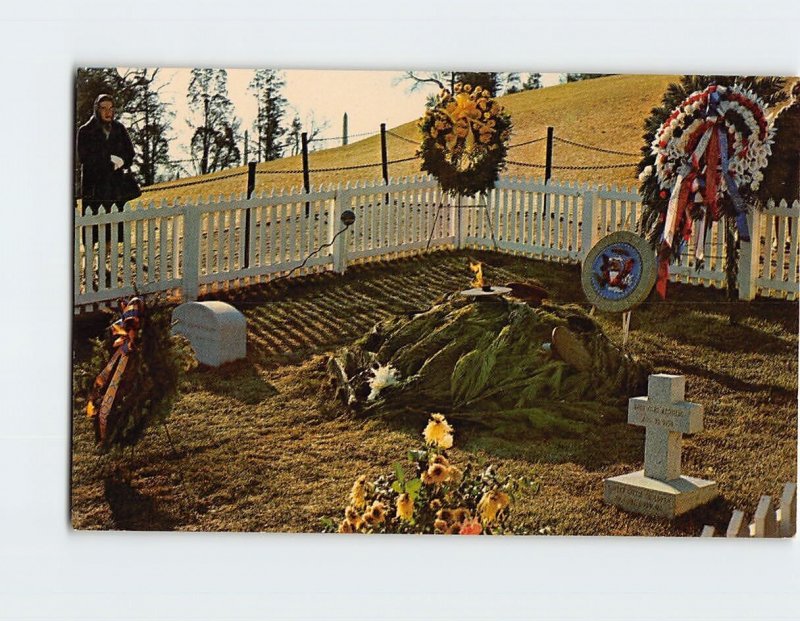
[[368, 97]]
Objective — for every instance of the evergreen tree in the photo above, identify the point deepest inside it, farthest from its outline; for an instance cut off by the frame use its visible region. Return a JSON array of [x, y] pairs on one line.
[[491, 81], [534, 82], [215, 140], [149, 123], [293, 136], [513, 83], [577, 77], [266, 86]]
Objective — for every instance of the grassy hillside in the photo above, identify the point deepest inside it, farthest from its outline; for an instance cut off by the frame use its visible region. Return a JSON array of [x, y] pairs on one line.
[[606, 112]]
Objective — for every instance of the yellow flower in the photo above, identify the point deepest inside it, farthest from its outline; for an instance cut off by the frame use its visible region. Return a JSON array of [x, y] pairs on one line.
[[437, 429], [435, 474], [351, 515], [454, 475], [405, 507], [446, 515], [440, 525], [358, 495], [435, 504], [453, 529], [378, 511], [440, 459], [368, 520], [446, 442], [461, 515], [491, 504], [345, 527]]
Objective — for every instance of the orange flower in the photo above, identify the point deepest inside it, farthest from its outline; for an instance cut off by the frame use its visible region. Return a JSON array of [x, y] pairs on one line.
[[472, 527]]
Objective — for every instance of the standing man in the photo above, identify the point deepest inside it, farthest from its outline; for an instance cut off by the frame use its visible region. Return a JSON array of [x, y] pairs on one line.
[[105, 152]]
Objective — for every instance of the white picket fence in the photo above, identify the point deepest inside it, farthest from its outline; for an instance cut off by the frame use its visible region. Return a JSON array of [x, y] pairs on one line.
[[194, 248], [768, 520]]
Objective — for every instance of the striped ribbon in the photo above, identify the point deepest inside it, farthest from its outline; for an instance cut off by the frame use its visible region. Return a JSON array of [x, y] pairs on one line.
[[106, 384]]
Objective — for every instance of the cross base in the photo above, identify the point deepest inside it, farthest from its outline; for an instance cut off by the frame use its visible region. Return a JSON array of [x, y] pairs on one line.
[[637, 493]]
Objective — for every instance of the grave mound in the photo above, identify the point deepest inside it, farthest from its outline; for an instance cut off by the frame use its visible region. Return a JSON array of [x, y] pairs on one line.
[[503, 364]]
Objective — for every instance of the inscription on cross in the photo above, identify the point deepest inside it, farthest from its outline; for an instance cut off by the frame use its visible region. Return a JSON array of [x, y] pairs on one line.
[[666, 417]]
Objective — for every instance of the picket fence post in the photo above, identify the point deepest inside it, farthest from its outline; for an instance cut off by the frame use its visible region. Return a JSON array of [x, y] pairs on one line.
[[191, 251], [749, 254], [589, 235], [340, 203]]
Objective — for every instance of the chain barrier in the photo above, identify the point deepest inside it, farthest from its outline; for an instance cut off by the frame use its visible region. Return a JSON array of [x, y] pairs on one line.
[[403, 138], [343, 137], [525, 164], [593, 148], [521, 144], [629, 165]]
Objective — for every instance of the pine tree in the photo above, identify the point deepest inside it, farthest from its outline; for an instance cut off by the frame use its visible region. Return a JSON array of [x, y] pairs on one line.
[[534, 82], [216, 136], [149, 122], [266, 86], [577, 77], [293, 136], [512, 83], [489, 80]]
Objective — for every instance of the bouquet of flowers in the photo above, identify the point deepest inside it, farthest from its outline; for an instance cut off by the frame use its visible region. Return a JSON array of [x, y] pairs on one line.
[[433, 496]]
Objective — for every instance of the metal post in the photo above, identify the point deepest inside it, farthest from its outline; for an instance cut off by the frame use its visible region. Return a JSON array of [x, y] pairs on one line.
[[548, 165], [246, 153], [384, 162], [251, 185], [204, 161], [344, 130], [306, 184]]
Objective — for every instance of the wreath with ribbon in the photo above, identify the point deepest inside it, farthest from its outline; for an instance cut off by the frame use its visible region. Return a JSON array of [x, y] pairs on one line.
[[465, 140], [706, 161], [135, 386]]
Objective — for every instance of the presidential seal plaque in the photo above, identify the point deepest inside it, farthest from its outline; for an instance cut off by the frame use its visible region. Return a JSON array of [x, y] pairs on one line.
[[619, 272]]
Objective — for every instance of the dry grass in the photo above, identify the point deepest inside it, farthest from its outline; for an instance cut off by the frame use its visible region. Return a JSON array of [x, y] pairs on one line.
[[607, 112], [260, 445]]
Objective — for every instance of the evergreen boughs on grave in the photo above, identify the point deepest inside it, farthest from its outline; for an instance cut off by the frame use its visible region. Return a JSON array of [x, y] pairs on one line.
[[150, 382], [465, 138], [491, 363]]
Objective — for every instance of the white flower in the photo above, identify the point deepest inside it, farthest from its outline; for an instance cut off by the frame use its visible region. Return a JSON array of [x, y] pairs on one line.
[[382, 377], [648, 170]]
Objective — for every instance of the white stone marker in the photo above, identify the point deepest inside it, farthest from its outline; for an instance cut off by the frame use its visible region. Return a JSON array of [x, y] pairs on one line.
[[765, 521], [738, 526], [216, 331], [660, 489], [788, 523]]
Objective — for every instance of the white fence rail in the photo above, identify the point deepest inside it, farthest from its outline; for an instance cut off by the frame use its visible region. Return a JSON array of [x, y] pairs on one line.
[[193, 248]]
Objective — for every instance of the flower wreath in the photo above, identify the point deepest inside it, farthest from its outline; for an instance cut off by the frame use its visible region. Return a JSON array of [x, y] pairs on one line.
[[706, 159], [465, 138]]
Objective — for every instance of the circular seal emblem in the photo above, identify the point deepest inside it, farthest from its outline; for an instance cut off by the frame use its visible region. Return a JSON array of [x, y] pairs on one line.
[[619, 272]]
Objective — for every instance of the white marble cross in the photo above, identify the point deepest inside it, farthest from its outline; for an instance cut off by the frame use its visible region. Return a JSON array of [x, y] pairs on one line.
[[666, 417]]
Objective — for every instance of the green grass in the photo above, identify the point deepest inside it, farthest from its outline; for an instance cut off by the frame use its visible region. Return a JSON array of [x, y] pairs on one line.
[[262, 446]]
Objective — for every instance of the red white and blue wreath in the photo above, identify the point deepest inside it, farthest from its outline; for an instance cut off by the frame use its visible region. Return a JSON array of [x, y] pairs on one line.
[[709, 157]]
